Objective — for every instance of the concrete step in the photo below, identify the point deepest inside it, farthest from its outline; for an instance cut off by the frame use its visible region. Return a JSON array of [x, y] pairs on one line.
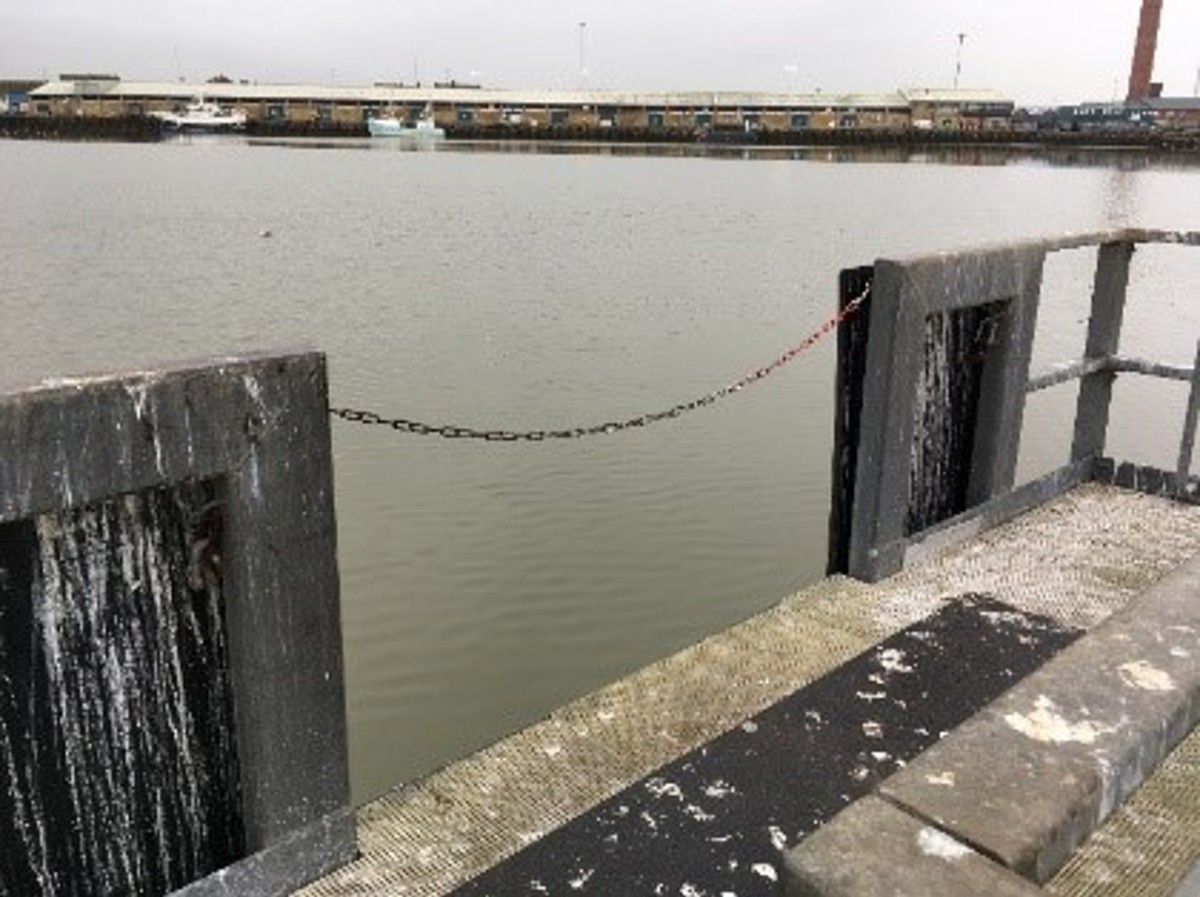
[[1023, 783]]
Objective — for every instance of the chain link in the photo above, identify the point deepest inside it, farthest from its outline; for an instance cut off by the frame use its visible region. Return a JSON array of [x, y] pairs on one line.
[[451, 431]]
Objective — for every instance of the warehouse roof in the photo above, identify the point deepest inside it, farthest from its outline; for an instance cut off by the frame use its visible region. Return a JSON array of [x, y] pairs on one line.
[[394, 93], [1174, 104], [954, 95]]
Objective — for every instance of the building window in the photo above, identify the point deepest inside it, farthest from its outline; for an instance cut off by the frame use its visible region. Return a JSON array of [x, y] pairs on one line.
[[655, 118], [558, 116], [799, 121], [275, 112], [466, 116]]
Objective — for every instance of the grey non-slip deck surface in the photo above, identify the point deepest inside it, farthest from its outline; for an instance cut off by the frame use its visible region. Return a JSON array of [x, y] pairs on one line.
[[715, 820], [1075, 560]]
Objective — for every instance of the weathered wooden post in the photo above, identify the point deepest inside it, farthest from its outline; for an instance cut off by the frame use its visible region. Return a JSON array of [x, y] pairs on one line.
[[171, 699]]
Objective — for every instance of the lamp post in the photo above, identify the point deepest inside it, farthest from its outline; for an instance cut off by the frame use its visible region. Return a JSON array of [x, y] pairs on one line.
[[958, 59], [582, 65], [789, 76]]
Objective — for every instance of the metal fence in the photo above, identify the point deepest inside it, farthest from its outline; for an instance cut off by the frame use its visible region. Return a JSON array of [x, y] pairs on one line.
[[932, 379]]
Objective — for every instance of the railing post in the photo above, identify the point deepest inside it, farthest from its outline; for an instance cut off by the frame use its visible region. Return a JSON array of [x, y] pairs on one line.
[[1104, 333], [904, 296], [894, 361], [1187, 441], [848, 396], [1001, 408], [174, 718]]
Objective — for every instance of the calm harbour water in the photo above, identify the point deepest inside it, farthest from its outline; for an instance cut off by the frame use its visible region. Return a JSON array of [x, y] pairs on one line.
[[485, 584]]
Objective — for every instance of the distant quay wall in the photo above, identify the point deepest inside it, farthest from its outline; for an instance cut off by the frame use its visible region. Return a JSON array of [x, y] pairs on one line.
[[905, 138], [118, 127], [141, 128]]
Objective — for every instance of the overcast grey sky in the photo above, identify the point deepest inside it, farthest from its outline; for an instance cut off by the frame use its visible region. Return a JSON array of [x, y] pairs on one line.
[[1037, 51]]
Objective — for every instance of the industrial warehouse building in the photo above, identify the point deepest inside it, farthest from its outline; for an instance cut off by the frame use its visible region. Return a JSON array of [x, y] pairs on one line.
[[455, 105]]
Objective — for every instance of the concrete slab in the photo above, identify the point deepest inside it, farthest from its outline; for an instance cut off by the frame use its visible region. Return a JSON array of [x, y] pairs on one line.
[[1076, 559], [873, 849], [1027, 780], [1148, 845]]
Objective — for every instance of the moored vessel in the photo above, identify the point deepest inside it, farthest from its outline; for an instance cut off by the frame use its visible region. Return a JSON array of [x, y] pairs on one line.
[[419, 129], [203, 115]]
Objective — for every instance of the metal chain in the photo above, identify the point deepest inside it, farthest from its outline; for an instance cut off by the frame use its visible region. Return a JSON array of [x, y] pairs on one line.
[[450, 431]]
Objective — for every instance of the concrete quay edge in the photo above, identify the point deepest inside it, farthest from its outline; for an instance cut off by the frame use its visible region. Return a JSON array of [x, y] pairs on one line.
[[1027, 780], [873, 849], [1190, 886]]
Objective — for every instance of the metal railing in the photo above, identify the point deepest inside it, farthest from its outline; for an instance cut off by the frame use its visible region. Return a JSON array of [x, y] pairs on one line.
[[932, 380]]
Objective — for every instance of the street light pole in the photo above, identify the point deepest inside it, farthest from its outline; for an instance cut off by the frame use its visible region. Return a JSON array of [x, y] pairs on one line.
[[582, 66], [789, 76], [958, 59]]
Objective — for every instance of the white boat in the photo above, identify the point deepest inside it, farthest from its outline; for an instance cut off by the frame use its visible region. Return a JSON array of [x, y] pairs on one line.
[[204, 116], [389, 126]]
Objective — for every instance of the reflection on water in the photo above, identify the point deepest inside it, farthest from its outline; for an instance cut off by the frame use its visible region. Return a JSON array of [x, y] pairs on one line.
[[1119, 159], [550, 286], [1120, 192]]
